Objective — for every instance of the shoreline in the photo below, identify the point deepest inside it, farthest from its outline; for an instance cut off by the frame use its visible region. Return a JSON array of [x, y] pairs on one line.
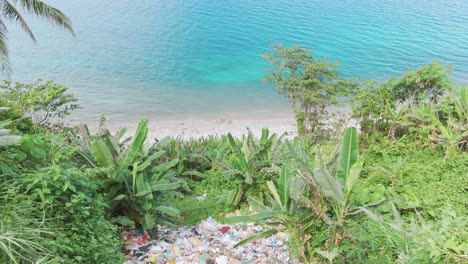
[[187, 128], [236, 123]]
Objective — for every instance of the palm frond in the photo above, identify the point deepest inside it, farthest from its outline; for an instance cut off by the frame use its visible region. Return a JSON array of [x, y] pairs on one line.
[[10, 11], [48, 12], [4, 58]]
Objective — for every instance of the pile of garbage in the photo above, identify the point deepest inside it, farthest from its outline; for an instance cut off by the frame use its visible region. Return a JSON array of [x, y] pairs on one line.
[[209, 243]]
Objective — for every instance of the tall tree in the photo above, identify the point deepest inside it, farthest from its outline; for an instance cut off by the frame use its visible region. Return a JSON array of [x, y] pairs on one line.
[[9, 11], [312, 86]]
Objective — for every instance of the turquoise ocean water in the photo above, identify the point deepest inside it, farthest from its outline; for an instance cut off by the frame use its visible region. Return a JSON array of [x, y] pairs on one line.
[[179, 59]]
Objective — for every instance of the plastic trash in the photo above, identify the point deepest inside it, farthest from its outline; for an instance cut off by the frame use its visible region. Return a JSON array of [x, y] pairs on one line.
[[209, 243], [221, 260], [224, 229], [202, 197]]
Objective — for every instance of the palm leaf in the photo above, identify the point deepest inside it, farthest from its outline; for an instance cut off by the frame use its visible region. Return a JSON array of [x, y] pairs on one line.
[[48, 12], [4, 54], [10, 11]]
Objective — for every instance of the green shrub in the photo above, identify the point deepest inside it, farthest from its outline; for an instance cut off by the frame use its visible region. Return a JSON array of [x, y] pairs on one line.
[[71, 200], [43, 102]]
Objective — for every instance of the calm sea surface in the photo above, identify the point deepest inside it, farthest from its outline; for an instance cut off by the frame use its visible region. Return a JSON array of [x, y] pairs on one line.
[[179, 59]]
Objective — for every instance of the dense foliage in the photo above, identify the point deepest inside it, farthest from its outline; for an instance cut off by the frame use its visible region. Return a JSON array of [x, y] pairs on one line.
[[392, 191]]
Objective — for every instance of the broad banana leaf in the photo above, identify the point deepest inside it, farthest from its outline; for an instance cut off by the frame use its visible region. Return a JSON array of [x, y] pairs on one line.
[[169, 210], [252, 218], [300, 155], [101, 153], [329, 186], [147, 221], [112, 145], [257, 236], [136, 145], [353, 175], [284, 185], [166, 166], [348, 155], [275, 193], [258, 206], [297, 187], [241, 158], [158, 186]]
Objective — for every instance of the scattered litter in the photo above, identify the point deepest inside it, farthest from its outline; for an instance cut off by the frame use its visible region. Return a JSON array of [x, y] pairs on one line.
[[209, 243], [202, 197]]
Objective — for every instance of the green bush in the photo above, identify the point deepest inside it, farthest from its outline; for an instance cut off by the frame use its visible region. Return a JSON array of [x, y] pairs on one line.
[[71, 200]]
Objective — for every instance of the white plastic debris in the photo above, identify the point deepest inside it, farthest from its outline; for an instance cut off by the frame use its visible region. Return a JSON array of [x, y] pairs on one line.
[[202, 197], [221, 260]]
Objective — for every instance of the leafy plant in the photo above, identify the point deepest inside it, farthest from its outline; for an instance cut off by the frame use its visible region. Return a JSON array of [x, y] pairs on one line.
[[338, 189], [252, 163], [300, 210], [5, 138], [130, 182], [43, 102], [283, 213], [22, 237]]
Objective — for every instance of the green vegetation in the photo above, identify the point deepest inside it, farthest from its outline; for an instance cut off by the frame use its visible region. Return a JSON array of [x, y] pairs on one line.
[[312, 86], [393, 191]]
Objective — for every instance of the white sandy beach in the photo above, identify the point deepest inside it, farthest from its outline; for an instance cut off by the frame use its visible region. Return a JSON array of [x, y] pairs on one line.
[[236, 124]]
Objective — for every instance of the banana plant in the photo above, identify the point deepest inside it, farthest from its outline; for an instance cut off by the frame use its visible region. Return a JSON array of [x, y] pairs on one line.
[[253, 162], [283, 213], [337, 189], [186, 159], [131, 181]]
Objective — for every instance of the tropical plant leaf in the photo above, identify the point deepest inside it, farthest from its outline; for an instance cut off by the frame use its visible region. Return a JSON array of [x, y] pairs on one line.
[[274, 192], [241, 158], [147, 221], [353, 175], [258, 206], [284, 184], [297, 187], [136, 145], [329, 255], [256, 237], [119, 197], [165, 186], [101, 153], [169, 210], [166, 166], [252, 218], [48, 12], [348, 154], [329, 186], [193, 173]]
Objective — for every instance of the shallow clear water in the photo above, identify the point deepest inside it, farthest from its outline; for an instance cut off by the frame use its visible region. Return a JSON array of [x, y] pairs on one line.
[[186, 58]]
